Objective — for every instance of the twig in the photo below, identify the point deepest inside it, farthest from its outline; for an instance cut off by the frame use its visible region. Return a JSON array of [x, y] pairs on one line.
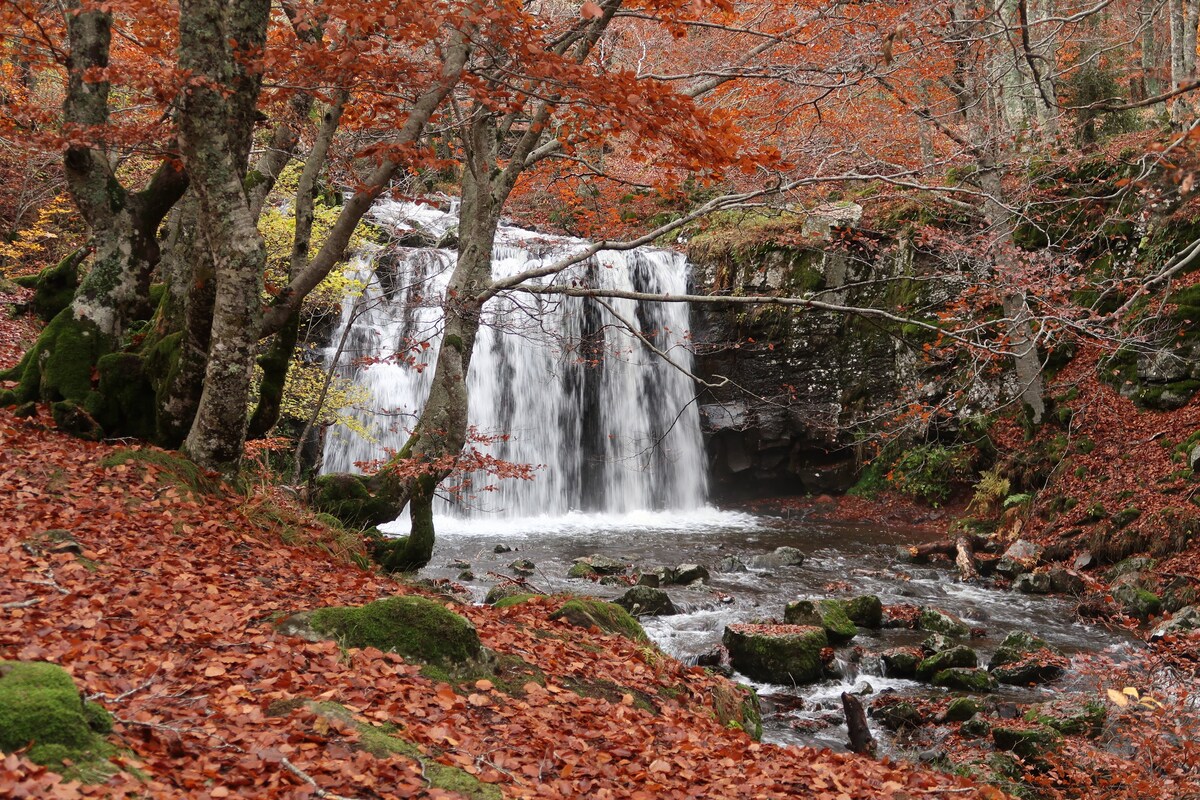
[[53, 584], [304, 776], [33, 601], [522, 582], [123, 695]]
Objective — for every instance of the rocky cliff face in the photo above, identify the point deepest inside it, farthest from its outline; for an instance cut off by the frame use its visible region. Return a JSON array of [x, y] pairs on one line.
[[807, 388]]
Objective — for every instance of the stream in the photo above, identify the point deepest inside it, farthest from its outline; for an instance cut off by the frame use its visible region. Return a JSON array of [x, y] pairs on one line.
[[842, 559]]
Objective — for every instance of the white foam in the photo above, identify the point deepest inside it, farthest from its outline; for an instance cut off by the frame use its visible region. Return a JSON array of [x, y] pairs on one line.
[[701, 520]]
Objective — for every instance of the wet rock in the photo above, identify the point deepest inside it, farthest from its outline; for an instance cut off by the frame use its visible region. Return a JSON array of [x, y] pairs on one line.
[[1137, 602], [781, 557], [828, 614], [503, 590], [501, 548], [1070, 718], [895, 716], [711, 658], [649, 579], [1184, 620], [864, 689], [937, 621], [582, 571], [687, 574], [937, 642], [975, 728], [961, 709], [646, 601], [458, 563], [960, 656], [901, 662], [1033, 583], [1023, 659], [602, 564], [1020, 557], [865, 610], [961, 679], [1030, 743], [466, 575], [786, 654], [1065, 581], [1129, 566], [731, 564], [522, 566], [588, 612]]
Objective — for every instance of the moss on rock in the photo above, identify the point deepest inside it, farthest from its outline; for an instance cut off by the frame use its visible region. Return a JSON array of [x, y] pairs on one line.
[[356, 501], [608, 617], [961, 679], [831, 615], [736, 706], [960, 656], [937, 621], [41, 708], [786, 654], [416, 628]]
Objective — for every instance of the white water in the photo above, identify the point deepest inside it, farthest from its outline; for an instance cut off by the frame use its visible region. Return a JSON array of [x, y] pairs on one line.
[[611, 426]]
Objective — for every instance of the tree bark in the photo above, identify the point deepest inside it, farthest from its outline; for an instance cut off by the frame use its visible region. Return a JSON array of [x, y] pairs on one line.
[[861, 740]]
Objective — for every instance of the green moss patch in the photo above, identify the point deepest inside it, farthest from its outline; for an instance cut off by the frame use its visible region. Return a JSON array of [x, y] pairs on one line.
[[608, 617], [41, 708]]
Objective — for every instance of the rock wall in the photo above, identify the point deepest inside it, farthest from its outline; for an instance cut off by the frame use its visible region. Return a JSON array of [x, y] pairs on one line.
[[807, 388]]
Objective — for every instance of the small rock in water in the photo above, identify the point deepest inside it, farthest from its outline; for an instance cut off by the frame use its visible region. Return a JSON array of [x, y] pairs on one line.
[[731, 564], [711, 658], [781, 557], [458, 563], [646, 601], [602, 564], [466, 575], [501, 548], [687, 574], [523, 565], [650, 579]]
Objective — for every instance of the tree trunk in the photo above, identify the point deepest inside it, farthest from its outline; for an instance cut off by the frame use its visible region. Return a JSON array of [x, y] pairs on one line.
[[216, 39]]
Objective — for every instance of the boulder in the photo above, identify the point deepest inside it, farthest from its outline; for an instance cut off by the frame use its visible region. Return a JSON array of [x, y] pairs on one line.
[[828, 614], [646, 601], [960, 656], [581, 570], [865, 611], [975, 728], [415, 627], [687, 574], [1136, 602], [961, 709], [1184, 620], [1033, 583], [731, 564], [901, 662], [1023, 659], [1065, 581], [896, 715], [937, 642], [785, 654], [523, 566], [41, 708], [602, 564], [963, 679], [781, 557], [1070, 717], [583, 612], [1029, 743], [1020, 557], [938, 621], [649, 579]]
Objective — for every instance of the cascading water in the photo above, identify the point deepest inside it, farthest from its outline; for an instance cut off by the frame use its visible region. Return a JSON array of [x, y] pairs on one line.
[[612, 426]]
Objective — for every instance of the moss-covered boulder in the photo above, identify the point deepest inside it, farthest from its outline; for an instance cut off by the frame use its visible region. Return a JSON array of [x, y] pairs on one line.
[[960, 656], [515, 600], [1023, 659], [415, 627], [785, 654], [831, 615], [359, 501], [1137, 602], [865, 611], [502, 590], [901, 662], [645, 601], [975, 728], [1070, 717], [937, 621], [585, 612], [41, 708], [736, 706], [895, 715], [1028, 743], [961, 709], [963, 679]]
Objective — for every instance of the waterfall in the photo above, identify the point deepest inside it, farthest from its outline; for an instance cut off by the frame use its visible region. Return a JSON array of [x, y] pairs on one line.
[[610, 426]]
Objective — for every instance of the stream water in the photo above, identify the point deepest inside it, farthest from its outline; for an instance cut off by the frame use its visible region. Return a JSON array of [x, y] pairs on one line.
[[861, 556]]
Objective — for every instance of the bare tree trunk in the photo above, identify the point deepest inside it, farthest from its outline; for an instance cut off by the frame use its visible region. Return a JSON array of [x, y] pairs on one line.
[[215, 127]]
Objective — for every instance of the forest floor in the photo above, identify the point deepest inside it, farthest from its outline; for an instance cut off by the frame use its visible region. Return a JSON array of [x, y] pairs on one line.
[[160, 593]]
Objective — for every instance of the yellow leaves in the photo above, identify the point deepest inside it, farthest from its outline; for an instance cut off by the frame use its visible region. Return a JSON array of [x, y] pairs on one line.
[[1130, 696]]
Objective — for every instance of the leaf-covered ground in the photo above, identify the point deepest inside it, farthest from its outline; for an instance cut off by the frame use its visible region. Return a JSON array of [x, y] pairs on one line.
[[166, 618]]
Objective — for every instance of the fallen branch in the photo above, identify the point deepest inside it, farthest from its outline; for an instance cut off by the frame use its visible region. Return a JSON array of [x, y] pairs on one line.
[[522, 582], [304, 776], [946, 547], [33, 601]]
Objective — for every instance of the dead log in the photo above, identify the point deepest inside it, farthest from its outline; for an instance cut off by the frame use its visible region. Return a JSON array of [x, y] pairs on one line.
[[861, 740], [964, 559], [946, 547]]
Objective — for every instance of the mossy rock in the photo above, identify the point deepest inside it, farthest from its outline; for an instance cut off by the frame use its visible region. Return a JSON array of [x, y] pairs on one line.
[[895, 716], [829, 615], [646, 601], [582, 570], [784, 654], [960, 679], [358, 501], [1070, 718], [961, 709], [508, 601], [384, 741], [960, 656], [975, 728], [901, 662], [865, 611], [1023, 659], [586, 613], [41, 708], [415, 627], [1028, 743], [938, 621], [1137, 602], [737, 707]]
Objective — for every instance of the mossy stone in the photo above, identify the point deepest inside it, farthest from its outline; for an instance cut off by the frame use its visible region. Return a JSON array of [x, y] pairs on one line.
[[937, 621], [960, 656], [1071, 718], [866, 611], [582, 570], [1027, 742], [586, 612], [784, 654], [960, 679], [961, 709], [514, 599], [41, 708], [1137, 602], [415, 627], [895, 716], [901, 662], [737, 706], [975, 728], [831, 615]]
